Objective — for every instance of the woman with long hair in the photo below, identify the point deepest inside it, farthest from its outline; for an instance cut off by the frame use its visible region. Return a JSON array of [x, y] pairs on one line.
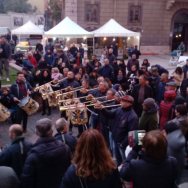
[[178, 76], [92, 165]]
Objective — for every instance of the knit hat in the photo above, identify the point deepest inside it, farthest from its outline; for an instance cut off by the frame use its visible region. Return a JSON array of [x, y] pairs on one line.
[[120, 94], [179, 100], [128, 98], [150, 104], [170, 95]]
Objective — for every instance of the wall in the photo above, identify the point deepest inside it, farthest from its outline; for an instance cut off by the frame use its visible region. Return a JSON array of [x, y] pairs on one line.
[[156, 22], [7, 20]]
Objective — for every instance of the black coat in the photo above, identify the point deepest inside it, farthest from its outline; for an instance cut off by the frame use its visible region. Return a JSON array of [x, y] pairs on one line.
[[71, 180], [148, 173], [46, 164], [68, 139], [183, 88], [147, 94], [6, 100], [107, 72], [14, 156]]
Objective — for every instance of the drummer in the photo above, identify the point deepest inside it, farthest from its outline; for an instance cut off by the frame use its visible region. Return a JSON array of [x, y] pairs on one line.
[[20, 90], [6, 100]]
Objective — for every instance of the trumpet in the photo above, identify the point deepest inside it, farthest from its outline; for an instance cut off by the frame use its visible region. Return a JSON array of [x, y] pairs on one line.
[[101, 102], [38, 87], [76, 97], [73, 90], [64, 108]]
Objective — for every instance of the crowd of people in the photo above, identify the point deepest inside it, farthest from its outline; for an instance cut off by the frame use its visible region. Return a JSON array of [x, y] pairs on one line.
[[126, 97]]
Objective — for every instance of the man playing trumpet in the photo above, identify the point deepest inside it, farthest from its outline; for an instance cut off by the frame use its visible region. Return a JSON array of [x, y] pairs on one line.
[[125, 120]]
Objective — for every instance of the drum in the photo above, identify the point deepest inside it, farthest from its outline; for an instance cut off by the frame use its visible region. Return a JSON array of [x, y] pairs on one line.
[[29, 105], [4, 113], [78, 114], [45, 90]]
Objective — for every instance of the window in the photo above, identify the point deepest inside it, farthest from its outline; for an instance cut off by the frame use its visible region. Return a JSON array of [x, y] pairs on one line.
[[92, 12], [135, 14]]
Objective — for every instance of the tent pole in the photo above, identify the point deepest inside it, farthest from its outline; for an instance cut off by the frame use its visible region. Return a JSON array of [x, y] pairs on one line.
[[93, 45]]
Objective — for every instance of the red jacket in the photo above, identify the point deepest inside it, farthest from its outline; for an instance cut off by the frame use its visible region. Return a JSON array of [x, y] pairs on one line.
[[164, 113], [32, 61]]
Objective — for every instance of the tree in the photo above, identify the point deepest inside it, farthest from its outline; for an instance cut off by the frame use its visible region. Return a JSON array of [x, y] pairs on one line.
[[56, 9], [2, 9], [19, 6]]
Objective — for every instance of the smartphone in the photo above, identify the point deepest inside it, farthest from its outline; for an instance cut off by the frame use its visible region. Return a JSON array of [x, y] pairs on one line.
[[135, 137]]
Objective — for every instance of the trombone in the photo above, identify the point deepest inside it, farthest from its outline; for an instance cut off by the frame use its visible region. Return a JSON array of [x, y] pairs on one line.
[[101, 102], [38, 87], [76, 97], [63, 108]]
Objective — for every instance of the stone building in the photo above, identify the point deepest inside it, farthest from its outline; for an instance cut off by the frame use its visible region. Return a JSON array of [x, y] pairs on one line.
[[163, 23]]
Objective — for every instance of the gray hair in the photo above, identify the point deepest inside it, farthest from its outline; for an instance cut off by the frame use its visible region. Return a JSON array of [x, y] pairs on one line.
[[44, 127], [60, 124]]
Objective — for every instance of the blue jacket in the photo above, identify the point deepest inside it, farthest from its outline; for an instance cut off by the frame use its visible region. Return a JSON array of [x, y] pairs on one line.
[[68, 139], [46, 164], [71, 180], [148, 173], [107, 72], [72, 83], [125, 120], [14, 156]]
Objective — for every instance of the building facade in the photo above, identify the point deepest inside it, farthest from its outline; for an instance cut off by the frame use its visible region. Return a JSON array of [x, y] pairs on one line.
[[163, 24]]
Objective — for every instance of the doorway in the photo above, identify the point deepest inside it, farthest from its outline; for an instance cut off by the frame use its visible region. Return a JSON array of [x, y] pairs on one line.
[[180, 29]]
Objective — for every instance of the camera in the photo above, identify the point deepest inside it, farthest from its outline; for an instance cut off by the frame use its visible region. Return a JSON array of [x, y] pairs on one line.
[[135, 137]]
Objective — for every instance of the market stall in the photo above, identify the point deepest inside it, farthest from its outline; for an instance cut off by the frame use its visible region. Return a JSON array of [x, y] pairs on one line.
[[113, 32], [68, 29]]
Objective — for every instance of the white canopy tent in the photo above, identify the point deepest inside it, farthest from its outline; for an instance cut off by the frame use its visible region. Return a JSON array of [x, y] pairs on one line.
[[28, 28], [114, 29], [68, 28]]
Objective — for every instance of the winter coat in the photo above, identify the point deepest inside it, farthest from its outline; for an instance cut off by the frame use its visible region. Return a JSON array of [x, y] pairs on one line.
[[14, 156], [160, 91], [125, 120], [8, 178], [184, 87], [148, 173], [68, 139], [148, 121], [46, 164], [185, 70], [135, 93], [164, 113], [107, 72], [176, 145], [71, 180]]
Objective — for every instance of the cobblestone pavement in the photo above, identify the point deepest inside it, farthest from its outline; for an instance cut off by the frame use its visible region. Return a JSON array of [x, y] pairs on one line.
[[163, 60]]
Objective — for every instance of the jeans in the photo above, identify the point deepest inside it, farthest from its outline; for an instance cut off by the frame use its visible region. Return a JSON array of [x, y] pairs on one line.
[[4, 63], [119, 153], [93, 121]]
